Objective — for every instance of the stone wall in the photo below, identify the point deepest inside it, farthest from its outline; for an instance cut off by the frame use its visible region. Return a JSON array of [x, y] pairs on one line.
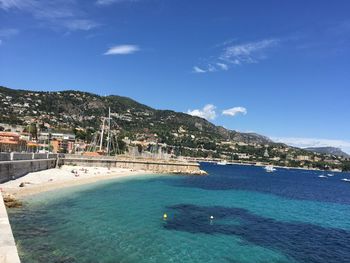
[[21, 156], [10, 170], [157, 166], [14, 156], [5, 157]]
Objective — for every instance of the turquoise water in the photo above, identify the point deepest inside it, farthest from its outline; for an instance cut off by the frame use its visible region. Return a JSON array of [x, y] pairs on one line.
[[287, 216]]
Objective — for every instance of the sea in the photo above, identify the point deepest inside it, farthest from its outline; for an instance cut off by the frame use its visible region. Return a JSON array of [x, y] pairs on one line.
[[235, 214]]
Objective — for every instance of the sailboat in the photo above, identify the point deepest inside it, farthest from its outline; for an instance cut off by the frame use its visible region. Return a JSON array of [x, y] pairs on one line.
[[97, 146]]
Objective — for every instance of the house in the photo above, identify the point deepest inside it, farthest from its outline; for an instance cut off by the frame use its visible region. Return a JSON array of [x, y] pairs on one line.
[[11, 142], [303, 158]]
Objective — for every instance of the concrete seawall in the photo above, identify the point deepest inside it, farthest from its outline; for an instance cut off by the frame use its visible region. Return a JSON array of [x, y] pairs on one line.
[[10, 170], [15, 165], [8, 249], [158, 166]]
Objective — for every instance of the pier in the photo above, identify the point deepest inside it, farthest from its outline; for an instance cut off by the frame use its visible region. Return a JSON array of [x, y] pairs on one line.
[[8, 249]]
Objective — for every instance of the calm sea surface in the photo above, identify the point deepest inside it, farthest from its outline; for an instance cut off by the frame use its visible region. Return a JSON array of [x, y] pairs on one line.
[[285, 216]]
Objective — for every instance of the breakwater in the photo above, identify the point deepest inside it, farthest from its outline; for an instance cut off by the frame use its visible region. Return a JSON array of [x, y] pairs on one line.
[[15, 165], [8, 249], [153, 165]]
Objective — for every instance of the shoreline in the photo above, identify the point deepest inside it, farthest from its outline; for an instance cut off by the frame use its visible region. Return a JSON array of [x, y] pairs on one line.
[[58, 178], [283, 167]]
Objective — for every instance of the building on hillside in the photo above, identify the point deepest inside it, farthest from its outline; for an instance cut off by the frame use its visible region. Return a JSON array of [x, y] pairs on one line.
[[303, 158], [11, 142], [332, 161], [317, 159], [62, 142], [266, 153], [11, 127], [32, 146], [243, 156]]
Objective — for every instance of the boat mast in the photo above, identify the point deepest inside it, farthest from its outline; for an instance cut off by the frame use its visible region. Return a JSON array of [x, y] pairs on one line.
[[102, 131], [109, 130]]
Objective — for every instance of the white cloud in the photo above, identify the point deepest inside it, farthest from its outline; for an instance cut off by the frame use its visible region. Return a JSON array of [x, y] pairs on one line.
[[239, 54], [209, 68], [64, 14], [223, 66], [208, 112], [198, 70], [234, 111], [246, 53], [122, 50], [313, 142]]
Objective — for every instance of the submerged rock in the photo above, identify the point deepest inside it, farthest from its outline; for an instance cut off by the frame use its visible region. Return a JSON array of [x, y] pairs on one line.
[[11, 201]]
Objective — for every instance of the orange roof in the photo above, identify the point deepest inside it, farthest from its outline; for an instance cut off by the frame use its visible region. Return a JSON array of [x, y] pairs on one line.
[[9, 134], [8, 142]]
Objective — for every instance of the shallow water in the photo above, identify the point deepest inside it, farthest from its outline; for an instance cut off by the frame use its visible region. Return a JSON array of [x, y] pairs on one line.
[[286, 216]]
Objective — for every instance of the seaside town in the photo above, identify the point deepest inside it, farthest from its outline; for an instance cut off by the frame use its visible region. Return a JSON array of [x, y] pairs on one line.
[[36, 139], [182, 131]]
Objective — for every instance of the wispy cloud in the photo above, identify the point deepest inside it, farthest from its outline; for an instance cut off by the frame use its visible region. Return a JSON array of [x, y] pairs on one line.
[[208, 112], [109, 2], [313, 142], [198, 70], [8, 32], [237, 54], [8, 4], [246, 53], [58, 13], [122, 50], [209, 68], [222, 66], [234, 111], [80, 24]]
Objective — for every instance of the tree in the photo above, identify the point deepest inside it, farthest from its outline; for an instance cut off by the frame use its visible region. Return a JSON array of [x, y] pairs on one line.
[[139, 148], [32, 129]]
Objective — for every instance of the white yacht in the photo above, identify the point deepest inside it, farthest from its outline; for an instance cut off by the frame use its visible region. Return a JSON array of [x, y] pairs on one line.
[[224, 162], [346, 179], [269, 168]]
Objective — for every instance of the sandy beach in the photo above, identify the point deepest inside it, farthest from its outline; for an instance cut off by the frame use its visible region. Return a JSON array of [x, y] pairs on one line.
[[66, 176]]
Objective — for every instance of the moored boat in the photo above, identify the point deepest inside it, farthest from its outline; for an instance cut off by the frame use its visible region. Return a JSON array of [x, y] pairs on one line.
[[269, 168], [224, 162]]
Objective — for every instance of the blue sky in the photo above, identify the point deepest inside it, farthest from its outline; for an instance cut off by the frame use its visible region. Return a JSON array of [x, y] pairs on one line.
[[279, 69]]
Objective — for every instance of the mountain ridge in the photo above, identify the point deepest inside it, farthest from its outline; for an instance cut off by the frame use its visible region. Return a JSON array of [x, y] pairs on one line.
[[70, 108], [328, 150]]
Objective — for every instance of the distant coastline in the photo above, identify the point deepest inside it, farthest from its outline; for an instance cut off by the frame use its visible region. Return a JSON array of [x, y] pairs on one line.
[[276, 166]]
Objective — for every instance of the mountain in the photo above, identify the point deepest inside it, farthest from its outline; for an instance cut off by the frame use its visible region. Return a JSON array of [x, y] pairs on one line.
[[68, 110], [328, 150]]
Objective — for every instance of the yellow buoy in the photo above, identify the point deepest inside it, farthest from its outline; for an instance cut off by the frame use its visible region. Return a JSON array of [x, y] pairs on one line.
[[165, 216]]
